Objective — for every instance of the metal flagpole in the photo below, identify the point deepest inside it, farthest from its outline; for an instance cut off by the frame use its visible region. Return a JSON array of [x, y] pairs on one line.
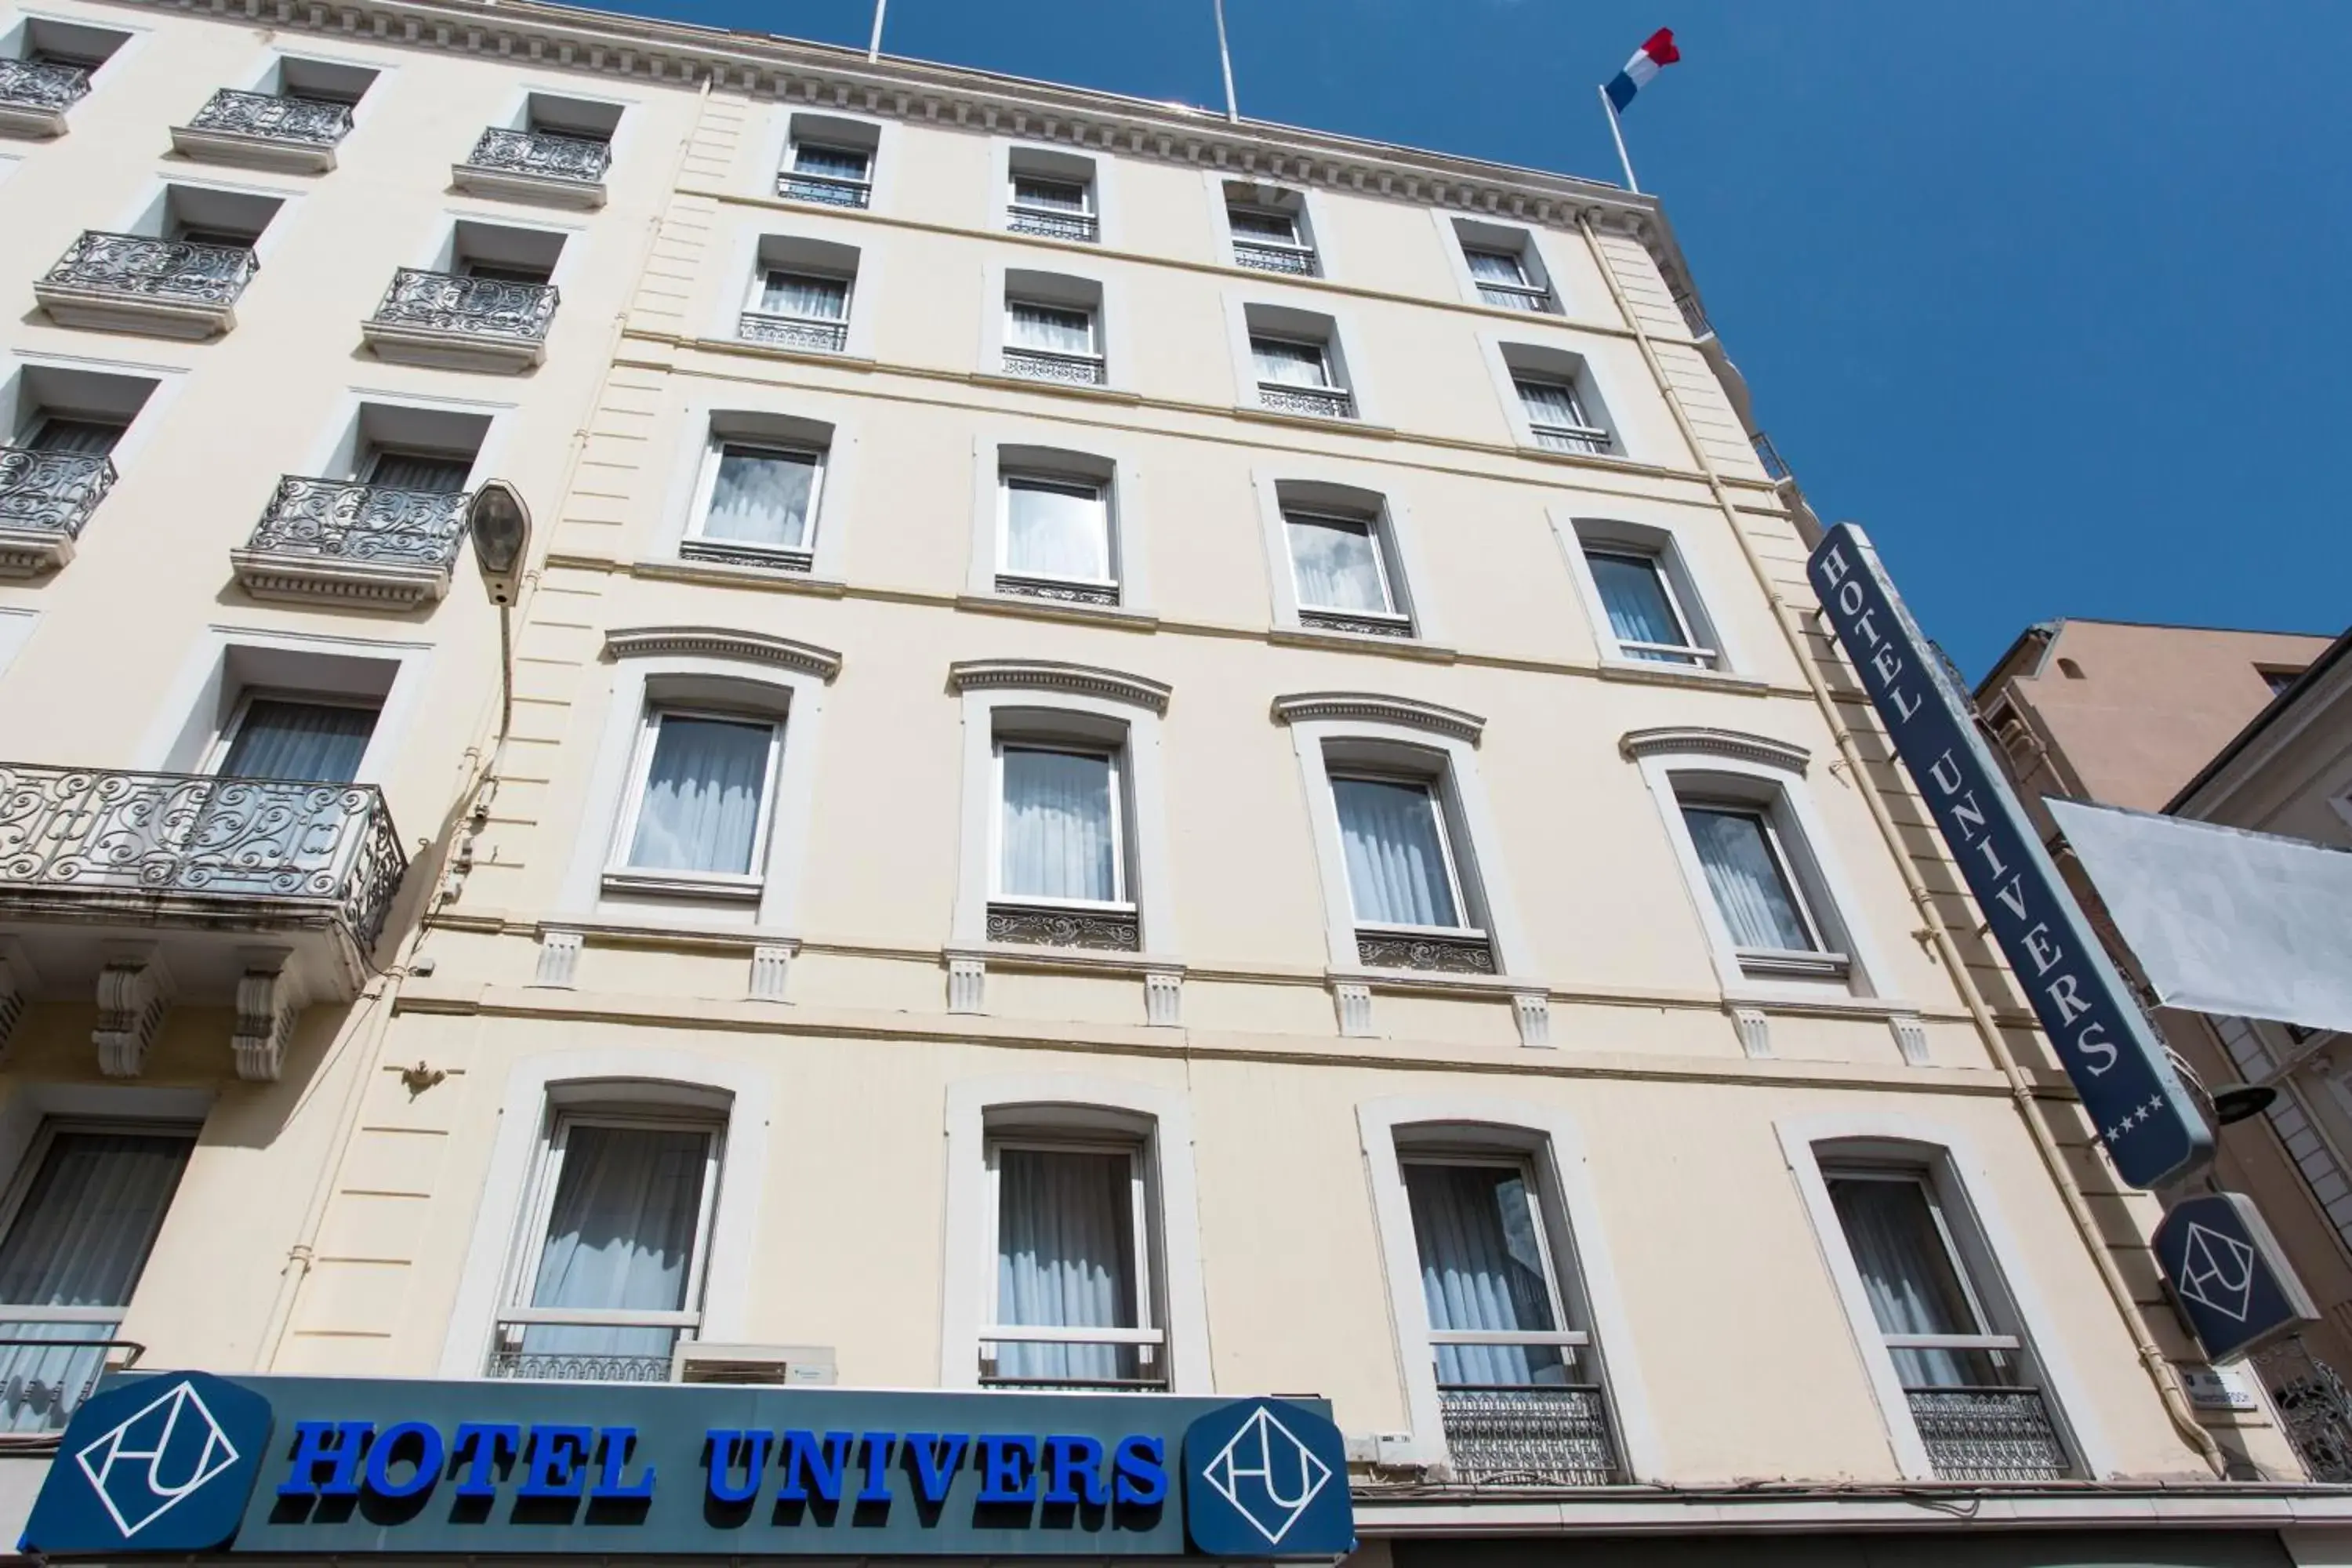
[[1618, 132], [1225, 59], [874, 46]]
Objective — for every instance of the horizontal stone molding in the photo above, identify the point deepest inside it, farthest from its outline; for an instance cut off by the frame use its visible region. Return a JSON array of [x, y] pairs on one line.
[[1372, 708], [1052, 675], [713, 642], [1682, 741]]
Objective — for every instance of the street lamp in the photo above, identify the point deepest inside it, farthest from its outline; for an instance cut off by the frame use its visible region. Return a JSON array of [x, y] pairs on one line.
[[500, 523]]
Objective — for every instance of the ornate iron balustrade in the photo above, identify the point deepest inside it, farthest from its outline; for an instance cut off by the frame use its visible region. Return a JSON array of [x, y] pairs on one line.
[[1468, 954], [306, 120], [44, 1379], [1078, 1384], [1770, 456], [163, 269], [1044, 365], [51, 492], [337, 520], [1042, 925], [735, 553], [1321, 402], [536, 152], [543, 1367], [1512, 297], [793, 332], [161, 835], [1987, 1434], [1551, 1437], [42, 84], [1571, 438], [474, 307], [1297, 260], [1051, 588], [829, 189], [2315, 1406], [1363, 624], [1048, 224]]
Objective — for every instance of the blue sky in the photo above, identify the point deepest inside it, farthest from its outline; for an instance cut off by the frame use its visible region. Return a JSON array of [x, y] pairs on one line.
[[2052, 299]]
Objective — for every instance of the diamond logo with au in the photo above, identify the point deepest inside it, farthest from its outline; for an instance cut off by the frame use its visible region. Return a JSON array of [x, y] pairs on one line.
[[1266, 1477], [154, 1464], [2217, 1271]]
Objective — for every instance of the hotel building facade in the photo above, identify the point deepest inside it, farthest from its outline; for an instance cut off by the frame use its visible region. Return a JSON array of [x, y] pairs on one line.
[[1139, 755]]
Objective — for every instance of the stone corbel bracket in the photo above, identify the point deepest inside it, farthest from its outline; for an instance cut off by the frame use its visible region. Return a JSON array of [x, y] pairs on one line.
[[134, 992], [270, 1002]]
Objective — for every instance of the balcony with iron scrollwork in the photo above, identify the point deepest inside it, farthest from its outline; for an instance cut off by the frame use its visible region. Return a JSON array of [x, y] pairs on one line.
[[149, 890], [803, 334], [1056, 590], [454, 322], [142, 283], [1054, 223], [1049, 365], [1436, 952], [1110, 928], [368, 546], [1999, 1434], [536, 166], [45, 499], [1316, 402], [588, 1344], [1769, 455], [265, 131], [1272, 256], [825, 190], [1530, 1436], [35, 94]]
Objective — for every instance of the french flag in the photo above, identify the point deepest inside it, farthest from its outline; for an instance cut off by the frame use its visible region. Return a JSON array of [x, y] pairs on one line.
[[1648, 60]]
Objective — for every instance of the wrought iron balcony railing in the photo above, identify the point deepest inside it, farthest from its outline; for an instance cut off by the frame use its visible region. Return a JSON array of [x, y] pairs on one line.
[[1363, 623], [42, 84], [1271, 255], [1536, 1436], [1447, 952], [335, 520], [1770, 456], [44, 1377], [1056, 588], [1693, 316], [793, 332], [51, 492], [1571, 438], [1322, 402], [473, 307], [1049, 223], [551, 1367], [1114, 929], [1046, 365], [2314, 1404], [138, 263], [1987, 1434], [1107, 1360], [576, 158], [310, 120], [201, 840], [829, 189]]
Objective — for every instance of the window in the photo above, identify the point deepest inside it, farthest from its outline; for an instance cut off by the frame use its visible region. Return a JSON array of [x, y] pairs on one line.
[[299, 740], [575, 118], [1553, 402], [2278, 680], [1050, 194], [1269, 230], [85, 438], [619, 1225], [1060, 837], [698, 811], [200, 216], [758, 503], [1495, 1318], [1645, 613], [1056, 531], [432, 473], [1401, 869], [799, 296], [1297, 364], [1756, 893], [829, 161], [1502, 280], [74, 1237], [1072, 1299], [1339, 568], [1049, 340], [71, 50]]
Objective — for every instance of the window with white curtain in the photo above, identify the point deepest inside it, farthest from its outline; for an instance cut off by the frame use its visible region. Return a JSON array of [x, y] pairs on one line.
[[1400, 858], [1290, 362], [1071, 1300], [1502, 279], [803, 296], [1050, 329], [701, 802], [1935, 1326], [1339, 567], [1060, 826], [1645, 613], [759, 497], [618, 1231], [304, 739], [1756, 888], [1556, 415], [80, 1221], [1496, 1316], [1055, 529]]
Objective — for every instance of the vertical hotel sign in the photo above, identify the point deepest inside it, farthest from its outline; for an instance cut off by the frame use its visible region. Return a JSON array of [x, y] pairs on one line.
[[2147, 1123]]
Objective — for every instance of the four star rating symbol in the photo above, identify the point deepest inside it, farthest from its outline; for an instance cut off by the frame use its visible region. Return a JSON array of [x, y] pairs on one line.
[[1269, 1475], [157, 1458], [2131, 1119]]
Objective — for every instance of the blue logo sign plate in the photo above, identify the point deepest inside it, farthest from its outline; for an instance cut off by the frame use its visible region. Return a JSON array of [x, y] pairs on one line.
[[1266, 1477], [2150, 1128], [159, 1463], [2229, 1278]]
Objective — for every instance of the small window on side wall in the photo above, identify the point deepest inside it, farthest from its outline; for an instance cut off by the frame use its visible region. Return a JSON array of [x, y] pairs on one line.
[[1760, 878], [1506, 268], [829, 161], [1340, 564], [1054, 329], [1555, 400], [1270, 230], [1056, 539], [758, 494], [801, 295], [1299, 364], [1051, 195], [1649, 610]]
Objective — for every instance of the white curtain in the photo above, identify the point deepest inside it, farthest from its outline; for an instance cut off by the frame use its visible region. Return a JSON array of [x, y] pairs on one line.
[[1635, 598], [761, 497], [1055, 531], [1058, 842], [1065, 1258], [1907, 1274], [620, 1236], [1396, 862], [833, 163], [83, 436], [316, 743], [1249, 222], [80, 1240], [702, 800], [419, 471], [1553, 403], [1338, 564], [811, 299], [1745, 877], [1495, 266], [1056, 196], [1291, 364], [1051, 328], [1482, 1268]]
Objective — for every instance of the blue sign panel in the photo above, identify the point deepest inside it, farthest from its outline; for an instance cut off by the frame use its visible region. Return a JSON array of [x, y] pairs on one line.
[[185, 1462], [2150, 1128], [2228, 1276]]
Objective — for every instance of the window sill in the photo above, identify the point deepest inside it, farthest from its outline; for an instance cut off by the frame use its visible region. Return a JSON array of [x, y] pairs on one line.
[[685, 933], [1439, 983], [1020, 605], [779, 352], [683, 885], [1019, 955], [720, 573], [1353, 427], [1775, 966], [1653, 672], [1056, 388], [1362, 642]]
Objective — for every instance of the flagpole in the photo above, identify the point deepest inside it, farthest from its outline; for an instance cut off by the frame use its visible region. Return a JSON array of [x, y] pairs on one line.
[[873, 46], [1618, 132], [1225, 59]]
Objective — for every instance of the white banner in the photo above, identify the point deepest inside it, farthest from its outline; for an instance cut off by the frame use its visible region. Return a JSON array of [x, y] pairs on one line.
[[2223, 920]]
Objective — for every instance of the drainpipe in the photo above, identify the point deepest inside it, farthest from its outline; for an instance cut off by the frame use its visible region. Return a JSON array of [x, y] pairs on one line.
[[2159, 1371]]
